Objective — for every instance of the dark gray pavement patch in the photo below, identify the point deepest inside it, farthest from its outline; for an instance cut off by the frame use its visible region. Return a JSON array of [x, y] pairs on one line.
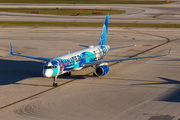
[[162, 117]]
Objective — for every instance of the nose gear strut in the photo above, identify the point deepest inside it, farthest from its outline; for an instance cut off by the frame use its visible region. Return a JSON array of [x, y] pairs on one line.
[[54, 82]]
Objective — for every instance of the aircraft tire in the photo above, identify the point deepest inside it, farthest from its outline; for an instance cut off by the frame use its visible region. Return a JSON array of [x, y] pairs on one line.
[[95, 75], [55, 84]]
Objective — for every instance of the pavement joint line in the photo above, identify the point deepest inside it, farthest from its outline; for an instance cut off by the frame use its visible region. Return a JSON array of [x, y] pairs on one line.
[[94, 27], [17, 20], [6, 56], [73, 20], [64, 27], [5, 50], [168, 40], [44, 20]]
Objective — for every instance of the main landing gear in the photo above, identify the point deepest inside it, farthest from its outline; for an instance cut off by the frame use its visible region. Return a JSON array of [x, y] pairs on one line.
[[54, 82], [67, 74], [94, 74]]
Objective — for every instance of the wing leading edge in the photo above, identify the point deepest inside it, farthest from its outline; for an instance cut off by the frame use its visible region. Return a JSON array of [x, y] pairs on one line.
[[27, 56], [122, 47], [116, 60]]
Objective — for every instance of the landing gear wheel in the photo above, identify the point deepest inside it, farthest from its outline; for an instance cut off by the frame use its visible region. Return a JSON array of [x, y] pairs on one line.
[[55, 84], [94, 74]]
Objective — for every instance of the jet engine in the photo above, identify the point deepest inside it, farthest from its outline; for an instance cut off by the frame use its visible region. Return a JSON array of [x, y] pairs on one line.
[[101, 70]]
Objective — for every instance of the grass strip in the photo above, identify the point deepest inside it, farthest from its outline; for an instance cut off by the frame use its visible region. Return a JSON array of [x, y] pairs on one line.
[[84, 24], [70, 12], [85, 1]]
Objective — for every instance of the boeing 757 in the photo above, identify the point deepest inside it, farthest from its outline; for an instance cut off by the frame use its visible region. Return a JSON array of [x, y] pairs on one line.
[[89, 56]]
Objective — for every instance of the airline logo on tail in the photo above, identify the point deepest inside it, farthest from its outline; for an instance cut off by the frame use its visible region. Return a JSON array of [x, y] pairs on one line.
[[103, 37]]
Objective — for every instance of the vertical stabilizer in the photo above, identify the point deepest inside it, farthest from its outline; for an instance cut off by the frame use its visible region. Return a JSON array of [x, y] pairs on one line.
[[103, 37]]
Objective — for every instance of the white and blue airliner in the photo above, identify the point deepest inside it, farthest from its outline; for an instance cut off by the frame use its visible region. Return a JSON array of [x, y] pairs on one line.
[[89, 56]]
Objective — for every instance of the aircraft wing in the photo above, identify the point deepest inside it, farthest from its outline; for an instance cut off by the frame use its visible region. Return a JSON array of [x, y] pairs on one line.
[[116, 60], [27, 56], [121, 47]]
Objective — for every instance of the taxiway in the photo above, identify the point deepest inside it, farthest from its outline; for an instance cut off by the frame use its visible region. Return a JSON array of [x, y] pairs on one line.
[[142, 89]]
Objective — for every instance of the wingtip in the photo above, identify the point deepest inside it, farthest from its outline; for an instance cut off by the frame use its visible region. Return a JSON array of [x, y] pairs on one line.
[[11, 49], [169, 50]]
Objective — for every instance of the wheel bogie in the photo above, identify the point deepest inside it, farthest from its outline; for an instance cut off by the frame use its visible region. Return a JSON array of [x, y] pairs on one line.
[[67, 74], [55, 84]]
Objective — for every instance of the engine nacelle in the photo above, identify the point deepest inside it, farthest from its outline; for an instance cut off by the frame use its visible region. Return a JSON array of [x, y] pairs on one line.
[[101, 70]]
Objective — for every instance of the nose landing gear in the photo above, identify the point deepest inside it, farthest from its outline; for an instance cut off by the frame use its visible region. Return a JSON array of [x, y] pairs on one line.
[[54, 82], [55, 78]]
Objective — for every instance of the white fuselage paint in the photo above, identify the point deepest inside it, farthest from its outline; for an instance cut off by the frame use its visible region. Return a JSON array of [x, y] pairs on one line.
[[96, 50]]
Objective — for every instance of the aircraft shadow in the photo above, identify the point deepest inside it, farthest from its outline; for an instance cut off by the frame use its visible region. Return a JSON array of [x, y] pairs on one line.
[[171, 95], [12, 71], [167, 81], [170, 60], [72, 77]]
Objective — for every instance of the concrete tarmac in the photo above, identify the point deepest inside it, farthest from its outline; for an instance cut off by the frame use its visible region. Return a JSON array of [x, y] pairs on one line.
[[165, 13], [145, 89]]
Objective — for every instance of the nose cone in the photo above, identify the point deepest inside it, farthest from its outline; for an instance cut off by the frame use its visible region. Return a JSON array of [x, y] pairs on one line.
[[47, 72]]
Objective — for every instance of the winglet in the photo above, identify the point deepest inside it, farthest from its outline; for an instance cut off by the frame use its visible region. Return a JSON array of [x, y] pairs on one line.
[[169, 50], [11, 49], [106, 21]]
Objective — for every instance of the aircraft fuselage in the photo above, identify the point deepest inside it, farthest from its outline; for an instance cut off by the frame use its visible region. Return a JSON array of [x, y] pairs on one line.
[[74, 60]]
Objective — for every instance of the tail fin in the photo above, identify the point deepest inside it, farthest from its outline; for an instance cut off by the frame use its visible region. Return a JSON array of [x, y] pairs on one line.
[[103, 37]]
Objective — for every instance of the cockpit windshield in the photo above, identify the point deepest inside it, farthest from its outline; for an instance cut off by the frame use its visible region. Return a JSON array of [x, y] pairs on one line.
[[50, 67]]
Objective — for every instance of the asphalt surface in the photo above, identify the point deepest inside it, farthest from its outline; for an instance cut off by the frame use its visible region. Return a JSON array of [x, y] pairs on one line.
[[145, 89]]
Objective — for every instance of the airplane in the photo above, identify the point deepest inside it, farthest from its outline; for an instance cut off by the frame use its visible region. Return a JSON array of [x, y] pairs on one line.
[[77, 60]]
